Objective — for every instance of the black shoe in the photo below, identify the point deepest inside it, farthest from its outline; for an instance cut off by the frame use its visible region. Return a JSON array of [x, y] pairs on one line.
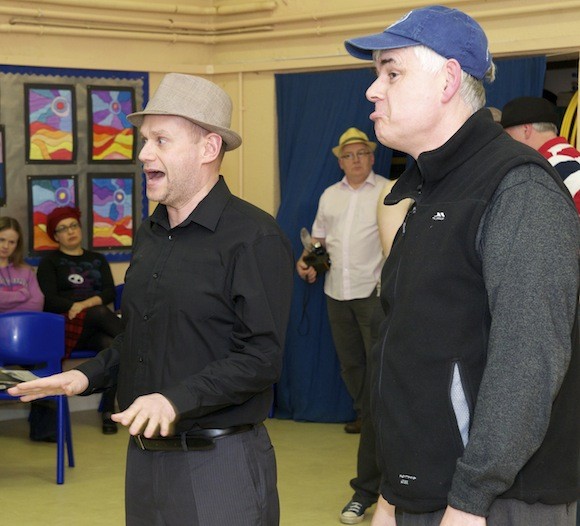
[[49, 438], [353, 427], [109, 427], [353, 513]]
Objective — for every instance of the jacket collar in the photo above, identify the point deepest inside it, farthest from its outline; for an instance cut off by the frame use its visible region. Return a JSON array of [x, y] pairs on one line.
[[433, 166]]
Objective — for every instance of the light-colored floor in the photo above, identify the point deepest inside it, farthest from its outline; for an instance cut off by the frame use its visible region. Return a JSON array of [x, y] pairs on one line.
[[315, 463]]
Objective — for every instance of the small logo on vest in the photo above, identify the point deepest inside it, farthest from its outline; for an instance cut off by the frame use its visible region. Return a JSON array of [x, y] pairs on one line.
[[439, 216], [406, 479]]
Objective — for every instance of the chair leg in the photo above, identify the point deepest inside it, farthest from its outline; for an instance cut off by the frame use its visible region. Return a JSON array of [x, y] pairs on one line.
[[60, 438], [68, 435]]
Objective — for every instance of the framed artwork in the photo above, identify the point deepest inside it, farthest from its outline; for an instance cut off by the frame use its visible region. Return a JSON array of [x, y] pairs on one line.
[[2, 167], [111, 205], [111, 135], [50, 126], [45, 193]]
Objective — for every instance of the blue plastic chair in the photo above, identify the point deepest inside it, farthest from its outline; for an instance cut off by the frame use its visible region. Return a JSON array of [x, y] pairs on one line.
[[118, 295], [82, 353], [37, 338]]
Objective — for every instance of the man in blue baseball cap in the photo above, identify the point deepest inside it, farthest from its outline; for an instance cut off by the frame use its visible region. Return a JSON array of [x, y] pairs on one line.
[[476, 384]]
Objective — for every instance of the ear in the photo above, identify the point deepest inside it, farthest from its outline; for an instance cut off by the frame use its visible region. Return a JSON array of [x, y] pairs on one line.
[[452, 71], [528, 129], [213, 146]]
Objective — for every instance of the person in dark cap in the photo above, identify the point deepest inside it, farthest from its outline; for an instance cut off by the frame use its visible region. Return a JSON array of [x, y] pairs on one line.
[[78, 284], [206, 302], [534, 121], [476, 377]]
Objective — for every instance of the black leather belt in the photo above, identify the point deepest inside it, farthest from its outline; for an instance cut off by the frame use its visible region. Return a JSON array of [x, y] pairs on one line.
[[197, 440]]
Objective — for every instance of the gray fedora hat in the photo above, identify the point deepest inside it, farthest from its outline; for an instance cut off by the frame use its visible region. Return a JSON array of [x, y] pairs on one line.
[[195, 99]]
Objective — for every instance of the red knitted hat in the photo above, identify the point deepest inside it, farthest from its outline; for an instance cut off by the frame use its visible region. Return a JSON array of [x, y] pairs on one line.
[[57, 215]]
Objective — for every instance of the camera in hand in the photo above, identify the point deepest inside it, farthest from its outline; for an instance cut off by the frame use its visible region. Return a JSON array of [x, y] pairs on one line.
[[317, 256]]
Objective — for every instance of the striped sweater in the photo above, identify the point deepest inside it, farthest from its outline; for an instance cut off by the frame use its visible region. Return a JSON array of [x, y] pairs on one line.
[[566, 159]]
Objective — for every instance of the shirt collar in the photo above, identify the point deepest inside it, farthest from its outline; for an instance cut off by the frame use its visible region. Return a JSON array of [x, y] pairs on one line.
[[371, 179], [207, 213]]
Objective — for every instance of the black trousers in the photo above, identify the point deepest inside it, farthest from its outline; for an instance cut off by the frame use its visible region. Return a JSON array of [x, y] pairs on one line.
[[234, 483], [350, 324], [354, 326]]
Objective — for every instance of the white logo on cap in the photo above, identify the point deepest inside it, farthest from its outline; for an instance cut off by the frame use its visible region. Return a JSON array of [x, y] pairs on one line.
[[402, 19]]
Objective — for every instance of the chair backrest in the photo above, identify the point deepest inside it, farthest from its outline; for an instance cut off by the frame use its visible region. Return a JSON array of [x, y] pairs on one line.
[[28, 338], [118, 296]]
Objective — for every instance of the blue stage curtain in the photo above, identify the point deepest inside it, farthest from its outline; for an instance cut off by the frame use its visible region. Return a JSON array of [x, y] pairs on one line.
[[516, 77], [313, 110]]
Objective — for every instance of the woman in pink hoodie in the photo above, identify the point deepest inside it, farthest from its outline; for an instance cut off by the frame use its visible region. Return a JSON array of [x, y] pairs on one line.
[[19, 290]]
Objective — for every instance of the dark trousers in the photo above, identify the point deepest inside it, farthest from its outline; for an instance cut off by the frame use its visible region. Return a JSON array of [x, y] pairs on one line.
[[234, 483], [354, 331], [350, 323]]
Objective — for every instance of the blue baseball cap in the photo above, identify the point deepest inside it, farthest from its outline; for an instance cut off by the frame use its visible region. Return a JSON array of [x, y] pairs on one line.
[[449, 32]]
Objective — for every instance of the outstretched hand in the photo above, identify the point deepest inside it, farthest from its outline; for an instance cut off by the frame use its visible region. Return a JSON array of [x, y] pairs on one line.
[[68, 383], [148, 415]]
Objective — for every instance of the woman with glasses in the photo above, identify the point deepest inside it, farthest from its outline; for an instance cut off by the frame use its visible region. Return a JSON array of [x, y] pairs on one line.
[[78, 283]]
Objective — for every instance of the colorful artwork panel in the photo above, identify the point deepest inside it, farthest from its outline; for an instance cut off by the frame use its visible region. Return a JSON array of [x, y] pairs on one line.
[[111, 135], [50, 123], [111, 204], [2, 168], [44, 195]]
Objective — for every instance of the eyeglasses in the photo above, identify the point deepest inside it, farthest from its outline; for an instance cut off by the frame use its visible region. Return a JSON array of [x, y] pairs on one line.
[[65, 228], [358, 155]]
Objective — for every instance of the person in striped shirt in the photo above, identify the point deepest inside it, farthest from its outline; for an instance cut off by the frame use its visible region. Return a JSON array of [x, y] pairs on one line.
[[534, 121]]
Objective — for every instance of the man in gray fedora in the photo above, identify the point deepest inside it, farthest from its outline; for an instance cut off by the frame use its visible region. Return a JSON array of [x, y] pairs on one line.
[[206, 302]]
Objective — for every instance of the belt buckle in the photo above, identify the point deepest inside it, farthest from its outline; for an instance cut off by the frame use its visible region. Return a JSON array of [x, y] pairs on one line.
[[140, 442]]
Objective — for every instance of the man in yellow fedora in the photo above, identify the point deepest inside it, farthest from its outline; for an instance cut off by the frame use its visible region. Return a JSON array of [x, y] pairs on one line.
[[346, 225]]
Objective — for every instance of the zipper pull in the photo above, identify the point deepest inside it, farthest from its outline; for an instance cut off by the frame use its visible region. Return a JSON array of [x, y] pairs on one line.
[[413, 210]]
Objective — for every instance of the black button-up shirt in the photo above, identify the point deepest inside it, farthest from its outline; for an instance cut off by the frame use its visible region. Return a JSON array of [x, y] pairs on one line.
[[206, 306]]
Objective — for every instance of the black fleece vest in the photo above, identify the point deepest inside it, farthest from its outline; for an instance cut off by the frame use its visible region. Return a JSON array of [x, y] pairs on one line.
[[438, 320]]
